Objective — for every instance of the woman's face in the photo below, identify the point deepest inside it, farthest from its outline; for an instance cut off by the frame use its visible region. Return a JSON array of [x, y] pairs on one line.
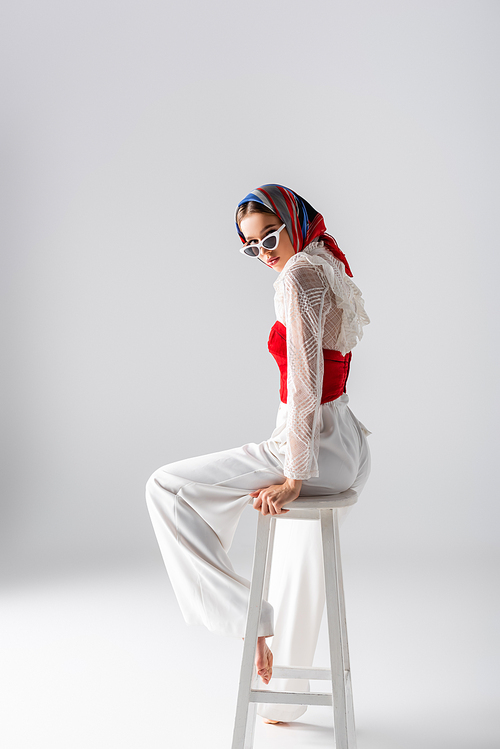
[[257, 226]]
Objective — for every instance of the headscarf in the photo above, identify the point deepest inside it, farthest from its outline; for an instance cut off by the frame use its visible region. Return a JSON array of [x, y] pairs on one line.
[[303, 223]]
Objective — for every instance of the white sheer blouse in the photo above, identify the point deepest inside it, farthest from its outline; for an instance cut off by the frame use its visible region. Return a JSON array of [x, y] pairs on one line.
[[320, 307]]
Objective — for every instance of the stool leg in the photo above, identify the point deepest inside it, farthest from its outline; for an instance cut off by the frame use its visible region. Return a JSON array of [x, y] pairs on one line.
[[351, 727], [251, 713], [270, 548], [243, 727], [334, 629]]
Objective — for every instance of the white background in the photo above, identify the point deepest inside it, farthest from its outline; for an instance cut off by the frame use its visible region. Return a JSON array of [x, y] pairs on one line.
[[135, 334]]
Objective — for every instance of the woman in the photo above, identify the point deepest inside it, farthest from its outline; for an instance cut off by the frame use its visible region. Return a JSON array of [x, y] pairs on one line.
[[318, 447]]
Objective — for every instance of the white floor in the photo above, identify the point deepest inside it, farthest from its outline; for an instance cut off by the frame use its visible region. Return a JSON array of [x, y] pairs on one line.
[[104, 660]]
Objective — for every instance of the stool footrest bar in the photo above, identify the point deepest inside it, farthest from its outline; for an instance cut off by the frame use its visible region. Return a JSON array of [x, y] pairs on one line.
[[291, 698]]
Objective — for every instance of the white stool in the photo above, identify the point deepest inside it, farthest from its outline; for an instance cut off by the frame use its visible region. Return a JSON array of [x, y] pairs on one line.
[[305, 508]]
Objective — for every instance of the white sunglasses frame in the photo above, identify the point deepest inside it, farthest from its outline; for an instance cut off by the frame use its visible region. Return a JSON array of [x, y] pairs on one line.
[[260, 243]]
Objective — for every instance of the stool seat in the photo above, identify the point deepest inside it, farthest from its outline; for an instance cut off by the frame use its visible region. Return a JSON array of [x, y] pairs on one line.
[[323, 508], [325, 502]]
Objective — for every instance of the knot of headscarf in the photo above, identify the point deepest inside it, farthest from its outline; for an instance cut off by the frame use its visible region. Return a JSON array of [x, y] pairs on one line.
[[303, 223]]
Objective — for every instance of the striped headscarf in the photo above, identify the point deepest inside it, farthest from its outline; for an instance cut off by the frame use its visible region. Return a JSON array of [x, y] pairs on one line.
[[303, 223]]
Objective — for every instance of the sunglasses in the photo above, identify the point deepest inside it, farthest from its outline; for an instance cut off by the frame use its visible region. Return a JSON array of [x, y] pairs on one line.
[[268, 243]]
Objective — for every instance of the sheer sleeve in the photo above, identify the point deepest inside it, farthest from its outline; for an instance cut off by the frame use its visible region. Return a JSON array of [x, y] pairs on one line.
[[305, 306]]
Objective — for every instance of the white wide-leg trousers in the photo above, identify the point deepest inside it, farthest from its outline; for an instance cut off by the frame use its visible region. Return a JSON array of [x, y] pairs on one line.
[[195, 505]]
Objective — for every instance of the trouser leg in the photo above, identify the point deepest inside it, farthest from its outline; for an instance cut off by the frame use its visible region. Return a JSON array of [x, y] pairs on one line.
[[195, 505]]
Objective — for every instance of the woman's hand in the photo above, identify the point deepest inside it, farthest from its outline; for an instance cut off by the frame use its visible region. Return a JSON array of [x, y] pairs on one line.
[[271, 500]]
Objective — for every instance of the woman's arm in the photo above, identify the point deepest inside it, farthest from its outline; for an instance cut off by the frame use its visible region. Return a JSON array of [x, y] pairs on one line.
[[306, 304], [305, 297]]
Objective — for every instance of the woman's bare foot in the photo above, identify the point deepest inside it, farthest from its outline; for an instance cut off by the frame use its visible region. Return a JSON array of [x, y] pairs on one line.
[[263, 660]]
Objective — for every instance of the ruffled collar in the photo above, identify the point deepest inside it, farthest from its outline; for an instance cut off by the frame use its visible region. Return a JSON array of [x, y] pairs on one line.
[[347, 296], [313, 248]]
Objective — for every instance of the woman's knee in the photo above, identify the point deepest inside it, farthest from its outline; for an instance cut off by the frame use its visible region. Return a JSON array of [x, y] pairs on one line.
[[163, 483]]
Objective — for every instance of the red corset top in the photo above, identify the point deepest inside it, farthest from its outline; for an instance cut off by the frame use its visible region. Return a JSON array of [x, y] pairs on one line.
[[336, 366]]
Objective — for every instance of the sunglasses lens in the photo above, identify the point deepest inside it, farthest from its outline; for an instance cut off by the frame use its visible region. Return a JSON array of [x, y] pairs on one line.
[[270, 243], [251, 250]]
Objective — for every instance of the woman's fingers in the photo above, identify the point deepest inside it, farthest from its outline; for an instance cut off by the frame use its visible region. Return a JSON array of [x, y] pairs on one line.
[[257, 503], [270, 501], [268, 507], [273, 508]]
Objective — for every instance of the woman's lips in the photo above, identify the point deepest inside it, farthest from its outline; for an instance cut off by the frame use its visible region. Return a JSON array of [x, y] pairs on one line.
[[273, 261]]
